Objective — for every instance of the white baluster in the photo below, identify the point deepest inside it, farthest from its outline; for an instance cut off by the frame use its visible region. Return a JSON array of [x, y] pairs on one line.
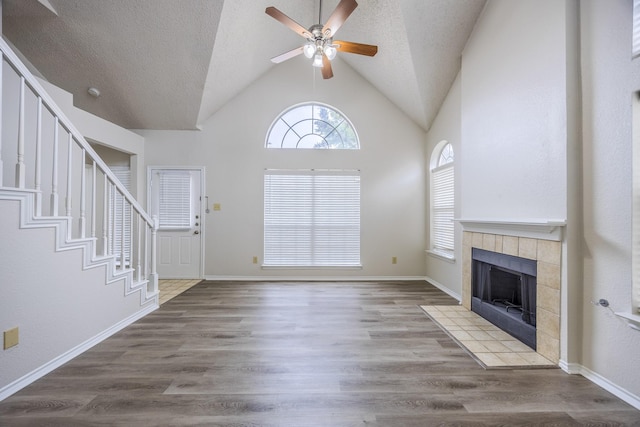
[[54, 176], [93, 208], [146, 249], [153, 277], [122, 234], [39, 159], [105, 216], [20, 166], [83, 196], [69, 176], [139, 242], [111, 216], [130, 235]]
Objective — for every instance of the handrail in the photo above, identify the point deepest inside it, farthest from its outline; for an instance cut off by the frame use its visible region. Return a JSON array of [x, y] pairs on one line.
[[21, 69]]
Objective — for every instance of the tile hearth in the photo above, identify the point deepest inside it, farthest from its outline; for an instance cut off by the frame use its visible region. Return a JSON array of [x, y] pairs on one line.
[[488, 344]]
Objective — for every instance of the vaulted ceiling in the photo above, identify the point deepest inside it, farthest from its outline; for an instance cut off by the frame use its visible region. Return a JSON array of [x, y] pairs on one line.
[[171, 64]]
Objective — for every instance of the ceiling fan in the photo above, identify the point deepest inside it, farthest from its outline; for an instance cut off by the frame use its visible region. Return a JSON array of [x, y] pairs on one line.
[[320, 44]]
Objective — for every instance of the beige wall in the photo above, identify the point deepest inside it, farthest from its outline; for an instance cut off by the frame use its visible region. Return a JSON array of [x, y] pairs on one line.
[[231, 148]]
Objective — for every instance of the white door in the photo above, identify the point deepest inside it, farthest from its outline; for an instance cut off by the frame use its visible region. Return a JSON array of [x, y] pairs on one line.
[[175, 198]]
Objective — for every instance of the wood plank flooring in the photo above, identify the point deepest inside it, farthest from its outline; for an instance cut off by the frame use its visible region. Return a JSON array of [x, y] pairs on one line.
[[301, 354]]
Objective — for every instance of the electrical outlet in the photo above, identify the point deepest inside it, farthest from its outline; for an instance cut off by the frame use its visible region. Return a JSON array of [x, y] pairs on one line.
[[255, 259], [394, 260], [11, 338]]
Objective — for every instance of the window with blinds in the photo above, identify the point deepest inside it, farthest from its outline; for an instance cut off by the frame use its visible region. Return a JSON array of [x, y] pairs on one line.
[[442, 204], [312, 219], [636, 28], [174, 210]]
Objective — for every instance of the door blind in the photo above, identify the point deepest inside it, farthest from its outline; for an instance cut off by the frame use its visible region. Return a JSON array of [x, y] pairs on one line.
[[312, 219], [174, 211]]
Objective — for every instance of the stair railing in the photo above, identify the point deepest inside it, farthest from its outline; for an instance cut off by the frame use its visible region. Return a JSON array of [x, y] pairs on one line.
[[54, 161]]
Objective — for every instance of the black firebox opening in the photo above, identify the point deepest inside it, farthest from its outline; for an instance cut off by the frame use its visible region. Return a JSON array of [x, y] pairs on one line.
[[504, 292]]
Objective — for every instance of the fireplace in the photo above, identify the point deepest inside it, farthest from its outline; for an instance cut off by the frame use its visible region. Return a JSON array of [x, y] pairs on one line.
[[504, 292]]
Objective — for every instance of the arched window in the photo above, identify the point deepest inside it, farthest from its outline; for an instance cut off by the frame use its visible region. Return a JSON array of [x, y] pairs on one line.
[[312, 125], [442, 200]]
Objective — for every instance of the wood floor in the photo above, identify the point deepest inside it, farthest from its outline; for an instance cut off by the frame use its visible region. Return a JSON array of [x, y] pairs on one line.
[[301, 354]]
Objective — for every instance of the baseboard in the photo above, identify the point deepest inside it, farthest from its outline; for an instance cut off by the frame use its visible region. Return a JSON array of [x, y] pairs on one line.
[[43, 370], [314, 278], [444, 289], [616, 390]]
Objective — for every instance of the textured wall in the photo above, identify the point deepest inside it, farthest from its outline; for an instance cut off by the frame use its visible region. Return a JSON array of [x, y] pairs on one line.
[[609, 76]]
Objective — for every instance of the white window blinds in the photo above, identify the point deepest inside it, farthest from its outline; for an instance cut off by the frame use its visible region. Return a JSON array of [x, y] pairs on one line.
[[311, 219], [443, 209], [123, 173], [174, 211], [636, 28]]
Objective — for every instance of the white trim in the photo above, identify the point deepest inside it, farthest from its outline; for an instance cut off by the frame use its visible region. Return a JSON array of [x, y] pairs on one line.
[[302, 104], [616, 390], [444, 257], [311, 267], [317, 278], [445, 289], [535, 229], [633, 320], [55, 363]]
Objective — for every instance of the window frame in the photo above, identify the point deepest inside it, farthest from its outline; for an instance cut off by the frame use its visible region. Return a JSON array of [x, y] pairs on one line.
[[442, 168], [313, 104], [315, 225]]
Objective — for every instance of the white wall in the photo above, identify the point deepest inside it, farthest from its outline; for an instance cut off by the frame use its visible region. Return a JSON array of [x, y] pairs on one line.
[[609, 348], [56, 306], [446, 127], [514, 140], [231, 148], [100, 131]]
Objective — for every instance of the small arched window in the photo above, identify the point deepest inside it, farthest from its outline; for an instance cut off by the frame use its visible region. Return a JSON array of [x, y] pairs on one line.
[[312, 125], [442, 200]]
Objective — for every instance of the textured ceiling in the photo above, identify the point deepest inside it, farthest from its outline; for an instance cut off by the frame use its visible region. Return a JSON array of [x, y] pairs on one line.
[[171, 64]]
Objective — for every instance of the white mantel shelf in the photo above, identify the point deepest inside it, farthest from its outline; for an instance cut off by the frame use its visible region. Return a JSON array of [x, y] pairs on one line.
[[545, 230]]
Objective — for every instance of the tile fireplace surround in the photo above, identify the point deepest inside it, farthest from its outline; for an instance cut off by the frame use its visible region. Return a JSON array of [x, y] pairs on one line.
[[548, 255]]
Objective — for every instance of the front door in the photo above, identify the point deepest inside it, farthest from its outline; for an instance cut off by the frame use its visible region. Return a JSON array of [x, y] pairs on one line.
[[175, 196]]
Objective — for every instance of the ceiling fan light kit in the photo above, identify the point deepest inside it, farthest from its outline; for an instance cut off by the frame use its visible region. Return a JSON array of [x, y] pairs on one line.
[[320, 45]]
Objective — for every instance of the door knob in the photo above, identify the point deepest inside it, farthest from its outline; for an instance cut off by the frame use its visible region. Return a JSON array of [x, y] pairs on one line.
[[196, 232]]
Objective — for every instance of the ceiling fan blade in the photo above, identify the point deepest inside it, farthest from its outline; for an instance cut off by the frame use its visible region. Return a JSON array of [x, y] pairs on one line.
[[337, 18], [287, 55], [359, 48], [284, 19], [327, 72]]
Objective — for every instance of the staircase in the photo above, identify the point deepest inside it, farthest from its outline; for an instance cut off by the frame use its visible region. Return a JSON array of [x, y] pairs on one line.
[[60, 183]]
